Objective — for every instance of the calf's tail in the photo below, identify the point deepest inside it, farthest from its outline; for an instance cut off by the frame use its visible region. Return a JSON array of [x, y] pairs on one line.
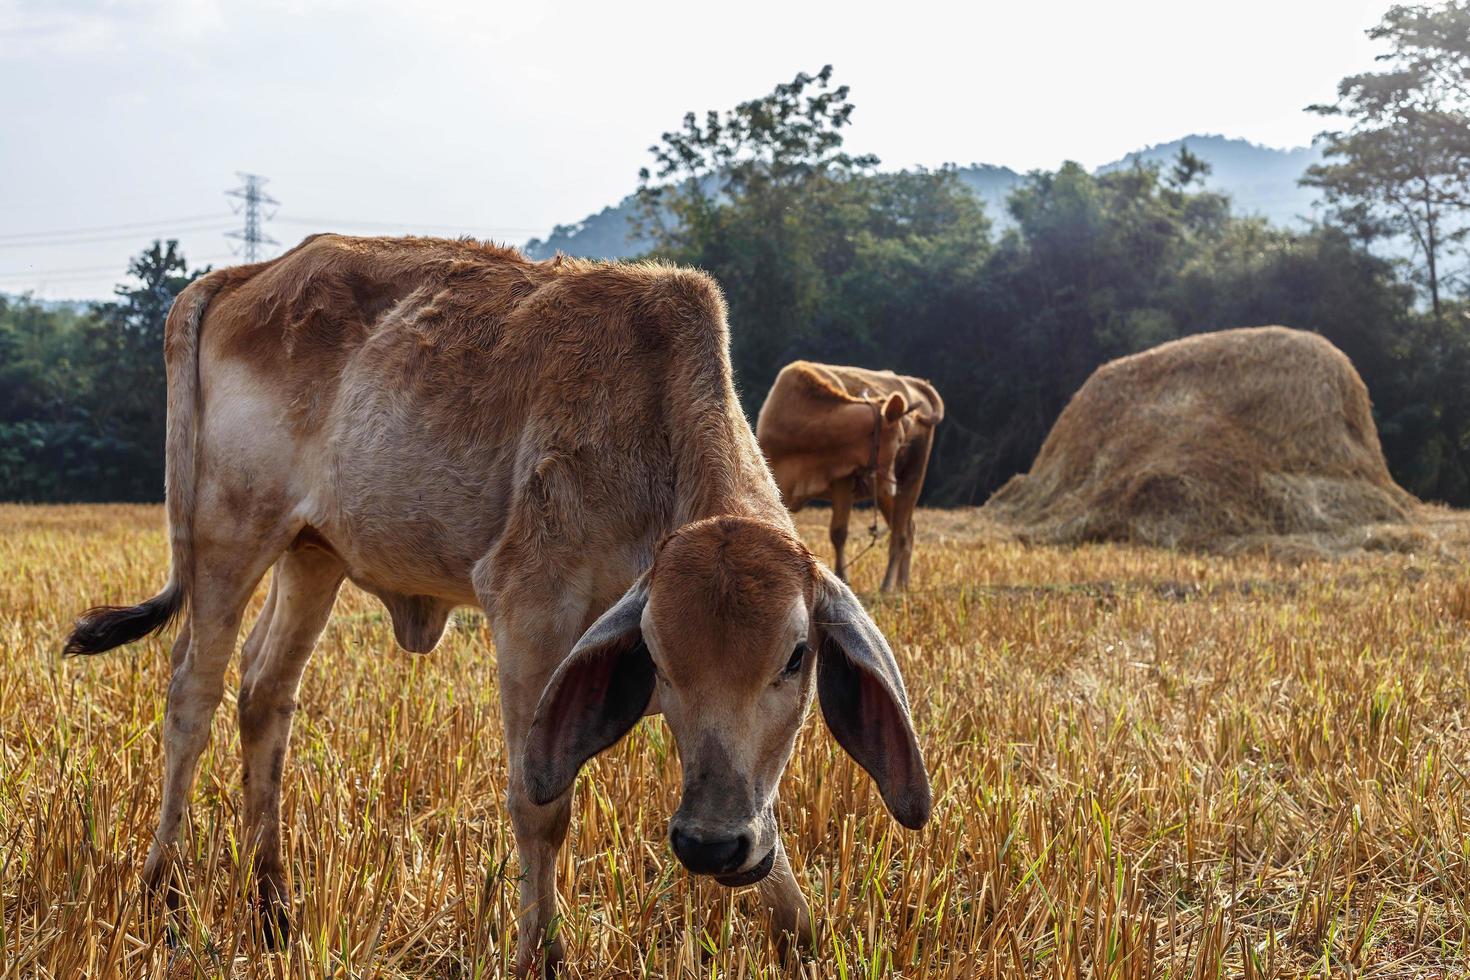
[[101, 628]]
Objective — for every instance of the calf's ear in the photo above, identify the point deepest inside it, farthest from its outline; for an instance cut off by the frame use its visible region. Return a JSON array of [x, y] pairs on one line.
[[865, 704], [592, 700]]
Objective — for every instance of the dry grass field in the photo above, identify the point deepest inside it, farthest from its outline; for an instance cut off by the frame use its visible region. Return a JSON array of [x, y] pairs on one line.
[[1146, 764]]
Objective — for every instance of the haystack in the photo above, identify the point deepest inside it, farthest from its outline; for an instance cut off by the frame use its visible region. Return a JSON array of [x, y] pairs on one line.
[[1207, 442]]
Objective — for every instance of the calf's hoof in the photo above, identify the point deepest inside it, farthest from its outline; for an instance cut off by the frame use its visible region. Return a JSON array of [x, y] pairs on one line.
[[273, 919], [161, 905], [794, 942], [540, 960]]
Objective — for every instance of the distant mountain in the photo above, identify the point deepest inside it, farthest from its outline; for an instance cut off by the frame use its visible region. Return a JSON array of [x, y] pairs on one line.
[[604, 235], [992, 185], [1261, 180]]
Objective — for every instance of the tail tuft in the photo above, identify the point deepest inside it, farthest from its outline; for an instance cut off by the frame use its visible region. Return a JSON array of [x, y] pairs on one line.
[[101, 628]]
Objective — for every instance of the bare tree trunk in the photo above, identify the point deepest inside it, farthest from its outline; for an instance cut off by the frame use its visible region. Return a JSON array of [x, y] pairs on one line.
[[1431, 250]]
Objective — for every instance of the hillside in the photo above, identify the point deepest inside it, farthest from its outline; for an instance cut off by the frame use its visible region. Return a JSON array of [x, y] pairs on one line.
[[604, 235], [992, 185], [1260, 179]]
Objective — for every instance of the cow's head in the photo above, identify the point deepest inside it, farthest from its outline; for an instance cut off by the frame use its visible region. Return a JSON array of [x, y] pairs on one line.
[[888, 428], [857, 438], [734, 625]]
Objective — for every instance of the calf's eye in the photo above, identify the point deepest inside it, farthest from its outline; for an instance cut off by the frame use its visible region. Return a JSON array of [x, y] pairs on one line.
[[793, 666]]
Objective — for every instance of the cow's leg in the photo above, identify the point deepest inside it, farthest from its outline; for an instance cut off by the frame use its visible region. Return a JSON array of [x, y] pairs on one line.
[[303, 589], [791, 920], [914, 467], [887, 504], [842, 492], [908, 556], [224, 576], [900, 517], [537, 621]]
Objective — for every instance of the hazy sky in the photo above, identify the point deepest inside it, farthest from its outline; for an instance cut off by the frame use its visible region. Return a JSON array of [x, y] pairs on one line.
[[504, 119]]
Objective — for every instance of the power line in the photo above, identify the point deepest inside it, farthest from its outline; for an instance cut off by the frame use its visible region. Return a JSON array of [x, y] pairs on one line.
[[87, 271], [122, 236], [211, 222], [252, 236], [102, 228], [254, 204], [36, 274], [335, 222]]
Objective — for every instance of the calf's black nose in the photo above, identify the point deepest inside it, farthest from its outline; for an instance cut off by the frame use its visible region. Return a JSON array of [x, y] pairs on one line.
[[710, 856]]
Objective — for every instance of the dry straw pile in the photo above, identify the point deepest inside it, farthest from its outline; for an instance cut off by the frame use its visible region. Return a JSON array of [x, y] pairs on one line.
[[1216, 442]]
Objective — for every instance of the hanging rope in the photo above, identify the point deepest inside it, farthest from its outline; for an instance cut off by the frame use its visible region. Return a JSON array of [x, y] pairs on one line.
[[874, 536]]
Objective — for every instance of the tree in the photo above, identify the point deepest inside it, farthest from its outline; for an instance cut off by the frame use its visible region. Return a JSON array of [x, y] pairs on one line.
[[781, 140], [759, 195], [821, 256], [46, 449], [1402, 164], [1187, 169], [82, 394], [125, 345]]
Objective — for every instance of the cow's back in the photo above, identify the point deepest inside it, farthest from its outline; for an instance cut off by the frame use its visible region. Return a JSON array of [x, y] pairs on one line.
[[424, 396], [301, 321], [866, 383]]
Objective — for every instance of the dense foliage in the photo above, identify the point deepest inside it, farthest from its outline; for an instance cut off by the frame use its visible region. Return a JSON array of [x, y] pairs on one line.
[[1402, 165], [822, 255], [898, 270], [82, 395]]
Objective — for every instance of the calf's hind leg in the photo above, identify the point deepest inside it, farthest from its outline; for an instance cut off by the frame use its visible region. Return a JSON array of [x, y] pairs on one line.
[[225, 574], [303, 589]]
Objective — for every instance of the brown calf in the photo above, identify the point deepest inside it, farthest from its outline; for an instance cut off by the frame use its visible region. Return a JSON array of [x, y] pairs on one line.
[[446, 423], [846, 434]]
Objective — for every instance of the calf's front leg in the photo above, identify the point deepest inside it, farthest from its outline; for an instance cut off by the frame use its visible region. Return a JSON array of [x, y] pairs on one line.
[[791, 920], [525, 665], [540, 832]]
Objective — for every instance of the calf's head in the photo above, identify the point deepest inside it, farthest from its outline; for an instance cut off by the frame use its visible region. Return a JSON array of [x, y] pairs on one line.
[[733, 627]]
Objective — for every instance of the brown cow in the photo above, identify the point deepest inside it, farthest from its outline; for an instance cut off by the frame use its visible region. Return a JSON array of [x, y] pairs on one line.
[[846, 434], [447, 423]]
